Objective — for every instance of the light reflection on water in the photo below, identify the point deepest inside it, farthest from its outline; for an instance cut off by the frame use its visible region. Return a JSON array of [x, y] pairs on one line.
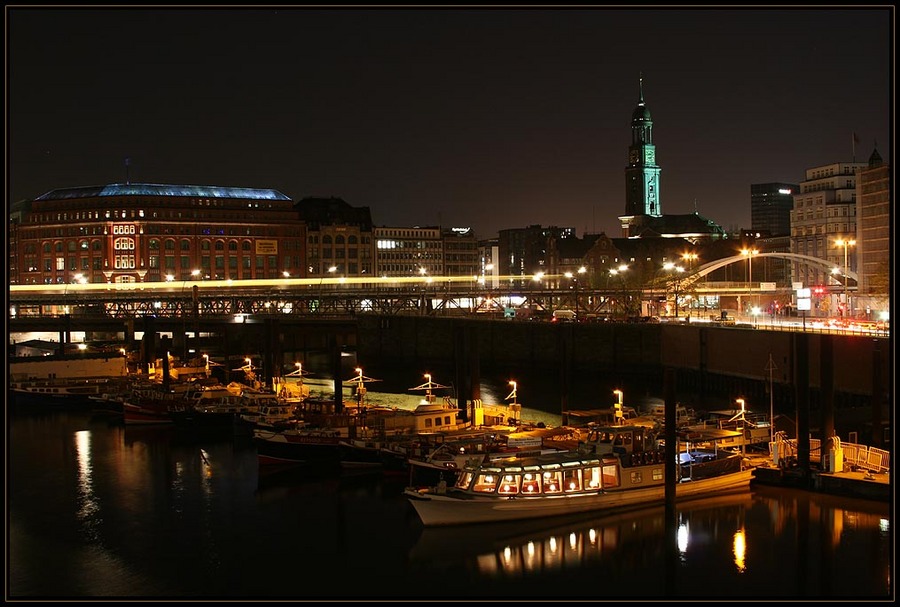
[[176, 516]]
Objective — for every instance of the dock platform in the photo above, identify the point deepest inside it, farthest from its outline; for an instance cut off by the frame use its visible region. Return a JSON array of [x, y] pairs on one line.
[[851, 483]]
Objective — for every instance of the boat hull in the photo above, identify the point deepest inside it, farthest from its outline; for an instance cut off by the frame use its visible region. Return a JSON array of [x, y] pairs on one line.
[[436, 509], [278, 448]]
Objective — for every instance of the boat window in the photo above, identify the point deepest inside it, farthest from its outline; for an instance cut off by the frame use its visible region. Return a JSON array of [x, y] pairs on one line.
[[531, 483], [592, 477], [610, 477], [552, 482], [572, 480], [486, 483], [464, 480], [509, 485]]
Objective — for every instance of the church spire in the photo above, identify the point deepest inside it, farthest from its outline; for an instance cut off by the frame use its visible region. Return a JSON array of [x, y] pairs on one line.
[[641, 88]]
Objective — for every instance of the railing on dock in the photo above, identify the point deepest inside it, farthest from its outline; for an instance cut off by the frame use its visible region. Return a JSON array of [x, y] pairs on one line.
[[854, 456]]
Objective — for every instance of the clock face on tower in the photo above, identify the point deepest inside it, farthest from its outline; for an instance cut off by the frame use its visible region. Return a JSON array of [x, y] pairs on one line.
[[635, 156]]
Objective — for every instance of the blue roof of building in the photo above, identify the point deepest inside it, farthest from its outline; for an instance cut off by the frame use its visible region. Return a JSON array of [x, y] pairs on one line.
[[156, 189]]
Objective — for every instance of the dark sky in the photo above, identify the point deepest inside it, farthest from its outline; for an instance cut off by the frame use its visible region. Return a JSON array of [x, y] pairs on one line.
[[491, 118]]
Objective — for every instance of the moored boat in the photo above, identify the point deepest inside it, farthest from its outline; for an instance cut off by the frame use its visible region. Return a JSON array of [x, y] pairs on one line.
[[616, 467], [318, 446]]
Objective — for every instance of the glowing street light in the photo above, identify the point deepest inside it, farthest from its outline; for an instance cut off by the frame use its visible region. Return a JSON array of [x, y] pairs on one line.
[[620, 414], [749, 253], [671, 267], [690, 258], [843, 242]]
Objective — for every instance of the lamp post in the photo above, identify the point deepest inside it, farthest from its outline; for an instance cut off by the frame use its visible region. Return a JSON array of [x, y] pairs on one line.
[[620, 412], [690, 258], [749, 253], [620, 271], [671, 267], [843, 242]]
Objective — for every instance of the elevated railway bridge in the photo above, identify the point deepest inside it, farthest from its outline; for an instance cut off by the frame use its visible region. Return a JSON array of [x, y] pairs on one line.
[[332, 297]]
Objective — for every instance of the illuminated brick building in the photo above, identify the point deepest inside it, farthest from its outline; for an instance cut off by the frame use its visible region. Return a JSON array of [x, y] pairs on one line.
[[139, 232]]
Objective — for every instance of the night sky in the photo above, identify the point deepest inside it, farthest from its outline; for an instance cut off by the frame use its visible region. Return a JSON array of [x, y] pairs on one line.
[[490, 118]]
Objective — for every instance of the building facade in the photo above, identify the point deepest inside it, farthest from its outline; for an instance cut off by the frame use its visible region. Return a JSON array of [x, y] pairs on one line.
[[339, 238], [770, 207], [824, 212], [461, 255], [138, 232], [873, 235], [412, 251]]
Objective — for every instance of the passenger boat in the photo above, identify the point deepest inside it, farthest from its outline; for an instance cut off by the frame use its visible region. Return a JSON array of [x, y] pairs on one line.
[[449, 456], [615, 467]]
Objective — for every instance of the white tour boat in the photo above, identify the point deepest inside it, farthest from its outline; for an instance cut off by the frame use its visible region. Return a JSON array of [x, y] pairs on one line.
[[617, 467]]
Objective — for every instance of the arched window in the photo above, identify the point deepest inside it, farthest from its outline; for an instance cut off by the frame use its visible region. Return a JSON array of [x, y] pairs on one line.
[[170, 244], [123, 243], [220, 246], [185, 244]]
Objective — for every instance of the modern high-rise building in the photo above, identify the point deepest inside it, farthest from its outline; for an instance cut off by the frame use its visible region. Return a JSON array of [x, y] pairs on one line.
[[770, 207]]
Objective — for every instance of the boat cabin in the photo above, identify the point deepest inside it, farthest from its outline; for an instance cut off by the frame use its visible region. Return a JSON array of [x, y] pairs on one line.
[[621, 440], [541, 475]]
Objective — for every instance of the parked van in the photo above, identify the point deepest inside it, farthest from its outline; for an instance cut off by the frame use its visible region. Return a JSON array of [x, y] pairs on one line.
[[563, 316]]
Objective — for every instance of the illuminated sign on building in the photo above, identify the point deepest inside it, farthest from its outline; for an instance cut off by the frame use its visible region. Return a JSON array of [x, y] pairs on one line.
[[266, 247], [784, 191]]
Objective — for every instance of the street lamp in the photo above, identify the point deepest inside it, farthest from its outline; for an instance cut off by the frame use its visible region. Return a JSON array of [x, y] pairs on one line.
[[620, 271], [671, 267], [749, 253], [843, 242], [690, 258]]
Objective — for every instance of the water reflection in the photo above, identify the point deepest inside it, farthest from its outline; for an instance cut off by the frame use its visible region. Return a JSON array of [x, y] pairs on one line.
[[617, 546], [99, 510]]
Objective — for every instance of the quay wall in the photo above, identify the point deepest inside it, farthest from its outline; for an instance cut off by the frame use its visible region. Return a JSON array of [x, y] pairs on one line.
[[700, 350]]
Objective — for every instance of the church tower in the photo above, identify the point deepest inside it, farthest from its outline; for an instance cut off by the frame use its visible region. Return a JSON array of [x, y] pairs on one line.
[[642, 172]]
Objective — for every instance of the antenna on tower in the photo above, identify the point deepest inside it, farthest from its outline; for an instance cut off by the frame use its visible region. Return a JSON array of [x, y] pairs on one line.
[[695, 206], [127, 164]]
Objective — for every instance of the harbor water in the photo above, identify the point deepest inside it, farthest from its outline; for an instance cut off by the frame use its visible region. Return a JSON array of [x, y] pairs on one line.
[[100, 510]]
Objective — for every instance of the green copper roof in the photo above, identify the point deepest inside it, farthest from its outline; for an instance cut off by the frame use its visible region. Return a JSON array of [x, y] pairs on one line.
[[156, 189]]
